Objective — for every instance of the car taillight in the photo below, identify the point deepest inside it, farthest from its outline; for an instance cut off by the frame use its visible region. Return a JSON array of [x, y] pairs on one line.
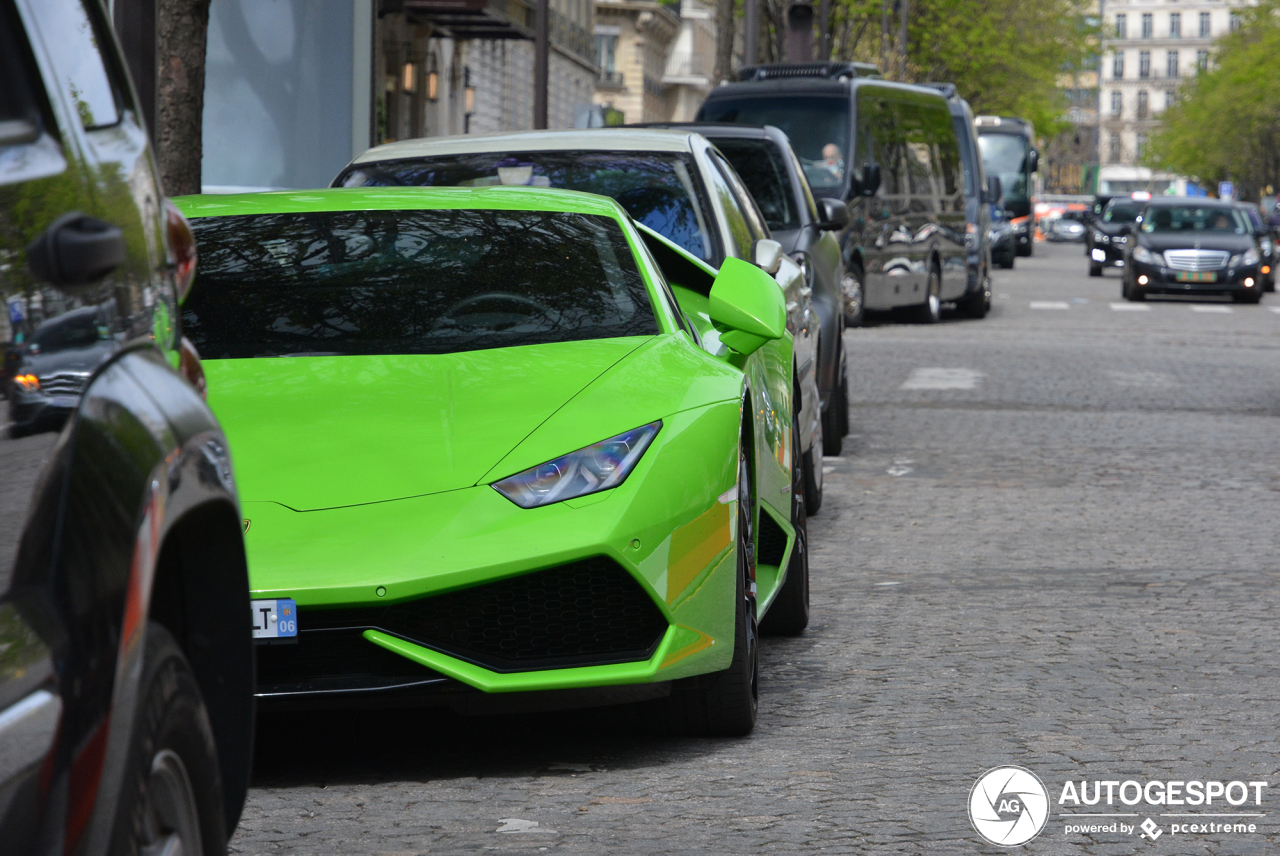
[[190, 367], [182, 248]]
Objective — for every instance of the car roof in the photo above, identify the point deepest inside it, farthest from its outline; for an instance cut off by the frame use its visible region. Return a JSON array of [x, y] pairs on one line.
[[1198, 201], [592, 139], [721, 129], [398, 199]]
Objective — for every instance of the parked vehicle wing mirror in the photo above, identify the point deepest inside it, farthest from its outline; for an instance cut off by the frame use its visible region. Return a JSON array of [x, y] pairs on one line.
[[869, 183], [767, 255], [746, 307], [835, 216], [76, 250], [994, 190], [1033, 161]]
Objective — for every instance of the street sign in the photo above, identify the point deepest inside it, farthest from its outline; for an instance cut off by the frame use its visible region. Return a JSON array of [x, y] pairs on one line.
[[1226, 190]]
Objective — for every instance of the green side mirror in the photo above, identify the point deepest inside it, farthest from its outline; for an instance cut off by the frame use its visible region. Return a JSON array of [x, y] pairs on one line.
[[747, 306]]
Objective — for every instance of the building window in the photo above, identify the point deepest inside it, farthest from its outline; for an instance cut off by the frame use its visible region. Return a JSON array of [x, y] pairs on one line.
[[607, 51], [1122, 26], [1114, 148], [1235, 21], [1144, 64], [1139, 147], [1142, 104], [1170, 98], [1116, 104], [1202, 60], [1175, 25], [1171, 64], [1204, 25], [1147, 26], [1117, 65]]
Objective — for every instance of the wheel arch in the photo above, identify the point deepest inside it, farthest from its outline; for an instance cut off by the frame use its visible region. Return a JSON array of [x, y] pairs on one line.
[[198, 595]]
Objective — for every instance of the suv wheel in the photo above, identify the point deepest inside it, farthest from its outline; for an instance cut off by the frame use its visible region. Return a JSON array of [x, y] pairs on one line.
[[930, 312], [789, 613]]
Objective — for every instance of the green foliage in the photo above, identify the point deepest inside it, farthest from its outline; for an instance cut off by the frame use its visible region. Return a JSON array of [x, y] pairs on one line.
[[1227, 123]]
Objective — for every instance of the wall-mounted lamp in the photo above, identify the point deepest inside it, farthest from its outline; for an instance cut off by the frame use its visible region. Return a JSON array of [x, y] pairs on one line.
[[469, 89], [433, 78], [409, 77]]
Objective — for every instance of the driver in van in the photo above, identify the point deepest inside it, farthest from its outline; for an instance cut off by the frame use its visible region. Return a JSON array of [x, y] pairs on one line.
[[832, 161]]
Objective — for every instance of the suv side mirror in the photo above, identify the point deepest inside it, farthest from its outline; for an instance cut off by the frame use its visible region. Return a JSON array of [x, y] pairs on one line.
[[994, 190], [746, 306], [76, 250], [1033, 161], [835, 216], [869, 183]]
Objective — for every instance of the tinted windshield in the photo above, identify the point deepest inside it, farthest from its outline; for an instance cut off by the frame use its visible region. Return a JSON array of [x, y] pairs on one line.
[[1222, 221], [658, 189], [1121, 213], [760, 166], [818, 126], [410, 282], [1005, 156]]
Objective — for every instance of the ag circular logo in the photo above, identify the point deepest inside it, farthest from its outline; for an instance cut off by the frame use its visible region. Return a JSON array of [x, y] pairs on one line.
[[1008, 806]]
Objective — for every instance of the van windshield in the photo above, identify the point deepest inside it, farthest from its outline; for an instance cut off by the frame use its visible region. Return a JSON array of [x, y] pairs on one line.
[[818, 126]]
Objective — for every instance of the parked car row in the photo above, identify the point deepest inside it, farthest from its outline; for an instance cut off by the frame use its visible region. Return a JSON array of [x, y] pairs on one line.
[[535, 417]]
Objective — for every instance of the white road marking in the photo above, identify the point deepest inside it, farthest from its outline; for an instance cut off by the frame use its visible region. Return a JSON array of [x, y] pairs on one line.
[[1275, 309], [1050, 304], [828, 470], [515, 824], [937, 378], [1131, 307], [1220, 310], [890, 583], [1142, 380], [900, 468]]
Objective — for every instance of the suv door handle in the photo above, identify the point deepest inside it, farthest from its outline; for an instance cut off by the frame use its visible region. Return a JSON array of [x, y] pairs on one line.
[[76, 249]]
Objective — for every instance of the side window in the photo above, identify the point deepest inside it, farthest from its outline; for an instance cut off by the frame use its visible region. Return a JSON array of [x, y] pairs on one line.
[[803, 180], [19, 106], [751, 211], [739, 232], [880, 140], [72, 41]]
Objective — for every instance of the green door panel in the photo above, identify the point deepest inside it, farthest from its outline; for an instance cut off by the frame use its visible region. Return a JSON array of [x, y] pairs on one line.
[[323, 432]]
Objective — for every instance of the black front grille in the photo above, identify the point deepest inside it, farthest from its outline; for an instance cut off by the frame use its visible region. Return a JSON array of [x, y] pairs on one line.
[[590, 612], [334, 661]]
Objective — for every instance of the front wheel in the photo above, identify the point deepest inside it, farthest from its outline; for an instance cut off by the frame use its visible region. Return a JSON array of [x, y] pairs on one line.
[[978, 305], [853, 297], [1247, 296], [835, 418], [1095, 269], [724, 704], [930, 312], [171, 798]]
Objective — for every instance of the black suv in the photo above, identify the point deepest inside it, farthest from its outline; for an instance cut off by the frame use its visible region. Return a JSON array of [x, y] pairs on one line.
[[126, 658]]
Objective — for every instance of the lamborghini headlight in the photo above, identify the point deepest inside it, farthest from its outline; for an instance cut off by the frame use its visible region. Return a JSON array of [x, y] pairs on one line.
[[598, 467]]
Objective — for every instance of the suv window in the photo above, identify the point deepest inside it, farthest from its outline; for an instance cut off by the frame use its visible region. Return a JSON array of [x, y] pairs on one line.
[[72, 41], [19, 107]]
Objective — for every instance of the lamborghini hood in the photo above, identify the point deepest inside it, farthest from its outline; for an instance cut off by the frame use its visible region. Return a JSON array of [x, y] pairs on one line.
[[327, 432]]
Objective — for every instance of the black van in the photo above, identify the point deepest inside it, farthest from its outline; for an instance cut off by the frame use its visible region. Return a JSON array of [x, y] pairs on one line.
[[905, 240]]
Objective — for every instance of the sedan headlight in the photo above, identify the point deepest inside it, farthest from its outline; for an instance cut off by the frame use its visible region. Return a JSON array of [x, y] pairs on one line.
[[1100, 238], [28, 382], [1265, 245], [1142, 254], [1252, 257], [598, 467]]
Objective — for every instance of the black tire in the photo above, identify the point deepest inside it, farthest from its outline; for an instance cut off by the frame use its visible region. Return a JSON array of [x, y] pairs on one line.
[[789, 613], [1249, 297], [853, 297], [1269, 284], [1029, 248], [1095, 269], [724, 704], [832, 431], [930, 312], [1131, 292], [977, 305], [811, 467], [172, 787], [1007, 262], [842, 413]]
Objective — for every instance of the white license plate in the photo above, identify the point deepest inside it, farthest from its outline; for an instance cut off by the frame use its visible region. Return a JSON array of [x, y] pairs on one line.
[[275, 619]]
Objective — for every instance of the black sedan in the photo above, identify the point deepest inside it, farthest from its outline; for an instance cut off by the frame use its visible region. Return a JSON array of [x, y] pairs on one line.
[[1179, 245], [1266, 244], [1110, 232], [53, 368]]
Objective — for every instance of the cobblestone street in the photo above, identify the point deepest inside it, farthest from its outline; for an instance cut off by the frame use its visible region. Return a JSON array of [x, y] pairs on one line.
[[1050, 542]]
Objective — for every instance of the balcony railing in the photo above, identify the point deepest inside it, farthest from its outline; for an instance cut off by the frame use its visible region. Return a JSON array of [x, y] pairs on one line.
[[611, 79], [687, 63]]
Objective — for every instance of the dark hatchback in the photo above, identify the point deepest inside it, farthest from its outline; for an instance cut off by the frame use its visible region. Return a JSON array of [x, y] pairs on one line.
[[1183, 245], [1109, 233], [1266, 244]]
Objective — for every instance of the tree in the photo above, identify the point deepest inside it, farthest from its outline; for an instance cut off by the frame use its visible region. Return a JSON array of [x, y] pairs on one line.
[[181, 32], [1226, 126]]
